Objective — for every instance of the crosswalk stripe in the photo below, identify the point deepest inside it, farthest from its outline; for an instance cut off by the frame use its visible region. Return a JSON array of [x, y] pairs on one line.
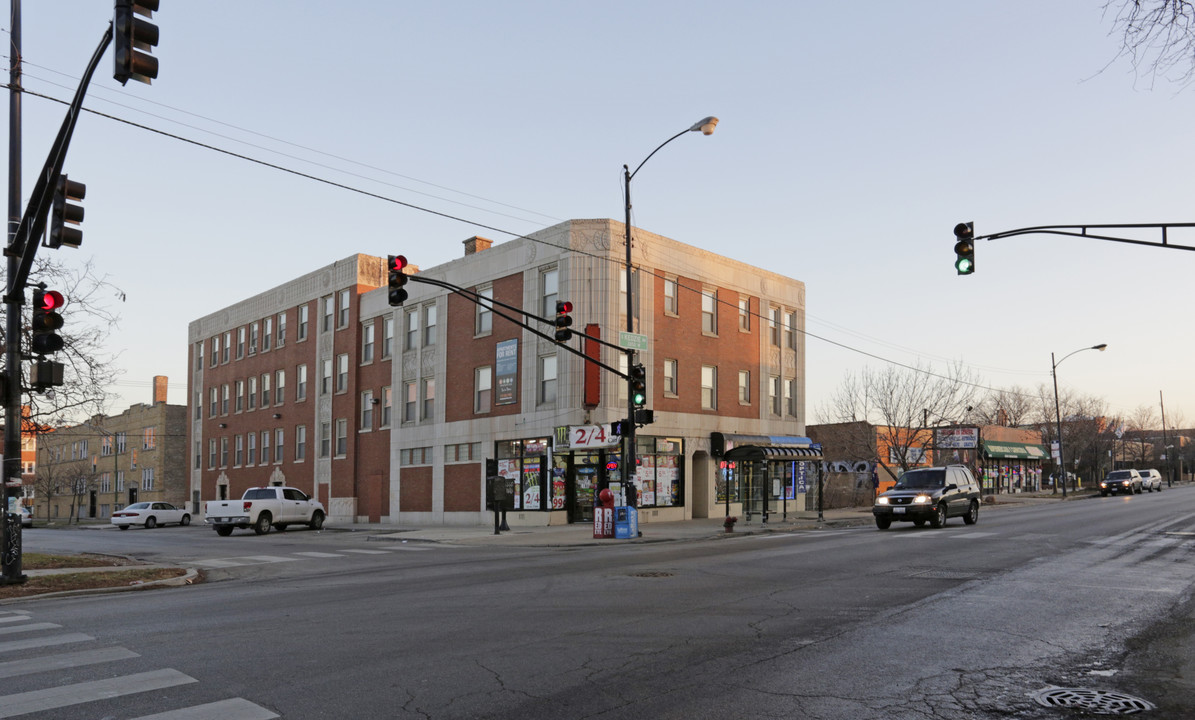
[[319, 555], [33, 643], [51, 698], [368, 552], [13, 618], [234, 709], [28, 666], [28, 628], [268, 558]]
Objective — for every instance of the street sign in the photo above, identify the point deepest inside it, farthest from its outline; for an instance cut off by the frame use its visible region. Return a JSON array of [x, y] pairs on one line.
[[632, 341]]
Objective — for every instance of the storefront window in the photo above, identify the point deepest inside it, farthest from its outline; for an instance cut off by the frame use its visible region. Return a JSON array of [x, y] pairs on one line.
[[524, 462], [660, 476]]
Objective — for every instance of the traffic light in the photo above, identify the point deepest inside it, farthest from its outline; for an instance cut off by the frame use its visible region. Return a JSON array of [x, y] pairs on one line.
[[563, 321], [46, 374], [395, 265], [619, 427], [964, 248], [46, 321], [63, 213], [638, 385], [130, 37]]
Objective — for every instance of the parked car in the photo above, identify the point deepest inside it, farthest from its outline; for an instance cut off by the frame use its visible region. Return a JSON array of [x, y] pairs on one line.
[[261, 508], [150, 514], [1121, 481], [929, 495], [1151, 480]]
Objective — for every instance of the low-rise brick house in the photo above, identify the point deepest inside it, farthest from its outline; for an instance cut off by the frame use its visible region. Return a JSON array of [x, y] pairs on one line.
[[388, 414], [90, 469]]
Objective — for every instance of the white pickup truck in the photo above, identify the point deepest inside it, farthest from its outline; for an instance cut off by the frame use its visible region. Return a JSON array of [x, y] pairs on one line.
[[263, 507]]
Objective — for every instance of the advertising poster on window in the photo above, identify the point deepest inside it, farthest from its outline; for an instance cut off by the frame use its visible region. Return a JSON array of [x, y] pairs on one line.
[[506, 372], [667, 480], [509, 469], [646, 481], [558, 486], [532, 493]]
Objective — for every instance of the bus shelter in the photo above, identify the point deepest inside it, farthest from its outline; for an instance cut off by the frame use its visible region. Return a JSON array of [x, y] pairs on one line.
[[766, 475]]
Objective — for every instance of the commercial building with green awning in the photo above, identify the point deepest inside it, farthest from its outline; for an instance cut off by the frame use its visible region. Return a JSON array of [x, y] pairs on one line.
[[1008, 466], [1014, 451]]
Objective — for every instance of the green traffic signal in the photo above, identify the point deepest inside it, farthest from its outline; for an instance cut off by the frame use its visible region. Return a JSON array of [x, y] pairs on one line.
[[964, 248]]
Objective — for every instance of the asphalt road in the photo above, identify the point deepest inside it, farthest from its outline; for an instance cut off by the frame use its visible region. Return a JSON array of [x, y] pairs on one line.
[[1089, 596]]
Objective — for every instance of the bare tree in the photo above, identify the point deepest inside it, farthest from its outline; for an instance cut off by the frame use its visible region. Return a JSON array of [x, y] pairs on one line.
[[1142, 422], [89, 363], [904, 403], [1009, 407], [1157, 36]]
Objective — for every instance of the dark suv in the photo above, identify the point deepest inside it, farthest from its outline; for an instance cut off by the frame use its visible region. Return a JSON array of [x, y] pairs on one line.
[[930, 494]]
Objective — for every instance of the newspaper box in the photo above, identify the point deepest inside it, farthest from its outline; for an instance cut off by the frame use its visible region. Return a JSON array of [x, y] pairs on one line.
[[626, 523]]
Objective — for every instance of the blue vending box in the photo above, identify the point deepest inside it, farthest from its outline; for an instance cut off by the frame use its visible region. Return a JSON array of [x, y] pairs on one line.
[[626, 523]]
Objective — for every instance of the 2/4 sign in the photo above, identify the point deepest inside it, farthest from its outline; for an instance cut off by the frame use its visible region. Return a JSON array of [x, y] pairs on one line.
[[592, 436]]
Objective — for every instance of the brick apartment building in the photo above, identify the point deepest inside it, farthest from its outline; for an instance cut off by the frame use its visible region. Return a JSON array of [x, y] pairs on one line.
[[389, 414], [90, 469]]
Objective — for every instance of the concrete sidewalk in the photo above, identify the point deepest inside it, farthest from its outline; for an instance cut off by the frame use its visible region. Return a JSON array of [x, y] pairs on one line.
[[680, 531]]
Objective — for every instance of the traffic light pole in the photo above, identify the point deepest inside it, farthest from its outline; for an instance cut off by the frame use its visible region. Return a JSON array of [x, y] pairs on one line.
[[22, 247]]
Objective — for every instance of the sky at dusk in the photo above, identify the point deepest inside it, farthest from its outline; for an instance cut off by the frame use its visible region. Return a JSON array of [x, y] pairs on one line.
[[852, 138]]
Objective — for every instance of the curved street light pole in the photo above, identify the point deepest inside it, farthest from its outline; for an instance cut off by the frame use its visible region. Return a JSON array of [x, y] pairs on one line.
[[1058, 411], [706, 127]]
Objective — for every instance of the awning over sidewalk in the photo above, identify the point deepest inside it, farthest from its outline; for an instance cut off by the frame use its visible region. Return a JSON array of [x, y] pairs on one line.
[[763, 447], [1014, 451]]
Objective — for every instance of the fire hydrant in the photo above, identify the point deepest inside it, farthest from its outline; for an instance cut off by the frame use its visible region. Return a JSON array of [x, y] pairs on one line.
[[729, 522]]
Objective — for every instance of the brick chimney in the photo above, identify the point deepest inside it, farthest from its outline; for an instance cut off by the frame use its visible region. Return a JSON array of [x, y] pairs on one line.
[[159, 389], [476, 244]]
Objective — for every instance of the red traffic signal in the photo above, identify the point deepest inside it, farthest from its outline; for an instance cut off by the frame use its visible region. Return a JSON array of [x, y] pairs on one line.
[[397, 279], [46, 322], [563, 321]]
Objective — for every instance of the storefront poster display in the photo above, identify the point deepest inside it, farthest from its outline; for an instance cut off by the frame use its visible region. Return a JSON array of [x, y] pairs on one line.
[[509, 469], [558, 490], [667, 479], [531, 478], [645, 480]]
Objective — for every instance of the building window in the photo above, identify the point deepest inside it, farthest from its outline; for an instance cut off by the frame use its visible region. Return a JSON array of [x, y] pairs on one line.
[[223, 452], [265, 447], [429, 398], [367, 342], [367, 410], [774, 395], [482, 383], [252, 395], [265, 390], [325, 439], [147, 478], [670, 377], [485, 311], [279, 442], [388, 336], [215, 351], [429, 325], [709, 387], [790, 397], [387, 402], [709, 312], [240, 342], [214, 401], [790, 330], [670, 304], [211, 454], [410, 402], [744, 387], [342, 437], [325, 378], [304, 317], [267, 333], [238, 453], [251, 459], [120, 442], [412, 341], [301, 383], [224, 395], [342, 319], [549, 287], [745, 314], [300, 443], [227, 347], [199, 355], [342, 372], [282, 325], [547, 379], [254, 329], [279, 387], [415, 456], [240, 395], [774, 326], [329, 303]]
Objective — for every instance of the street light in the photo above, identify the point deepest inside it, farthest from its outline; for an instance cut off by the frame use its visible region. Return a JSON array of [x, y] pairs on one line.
[[706, 127], [1057, 410]]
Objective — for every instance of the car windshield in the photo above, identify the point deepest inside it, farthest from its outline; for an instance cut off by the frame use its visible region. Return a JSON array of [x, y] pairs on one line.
[[138, 506], [1120, 475], [932, 478]]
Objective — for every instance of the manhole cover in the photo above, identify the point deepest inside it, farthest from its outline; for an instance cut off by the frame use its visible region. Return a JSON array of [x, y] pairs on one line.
[[1100, 702], [652, 574]]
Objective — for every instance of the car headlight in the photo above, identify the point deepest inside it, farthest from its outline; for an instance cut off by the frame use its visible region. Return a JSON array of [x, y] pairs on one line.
[[921, 499], [1103, 484], [882, 501]]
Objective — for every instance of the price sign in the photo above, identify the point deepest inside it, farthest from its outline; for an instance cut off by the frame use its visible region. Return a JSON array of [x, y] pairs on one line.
[[592, 436]]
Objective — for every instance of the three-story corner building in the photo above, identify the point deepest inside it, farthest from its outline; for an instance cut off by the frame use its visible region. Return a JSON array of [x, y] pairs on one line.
[[389, 414]]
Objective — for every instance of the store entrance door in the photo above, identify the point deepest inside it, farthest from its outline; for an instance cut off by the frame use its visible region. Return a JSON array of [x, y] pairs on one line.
[[586, 472]]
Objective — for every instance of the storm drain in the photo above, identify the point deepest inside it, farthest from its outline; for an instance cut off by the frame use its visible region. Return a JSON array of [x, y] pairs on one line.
[[1099, 702]]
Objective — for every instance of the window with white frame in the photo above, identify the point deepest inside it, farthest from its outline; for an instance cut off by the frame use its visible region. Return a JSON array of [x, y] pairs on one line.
[[774, 395], [367, 330], [429, 325], [670, 377], [251, 457], [252, 394], [790, 330], [240, 396], [279, 442], [671, 306], [790, 397], [325, 439], [410, 402], [388, 336], [709, 387], [745, 314], [744, 387], [342, 372], [342, 437], [485, 311], [302, 312], [304, 322], [199, 355], [547, 379], [227, 347], [147, 478], [329, 304], [300, 383], [367, 410], [387, 403], [279, 387], [325, 377], [267, 333], [265, 390], [214, 400], [149, 438], [241, 342], [265, 447], [215, 351], [300, 443], [223, 452], [774, 326], [225, 391], [709, 312], [211, 454], [429, 398], [342, 318], [238, 451], [483, 378], [412, 341], [549, 288]]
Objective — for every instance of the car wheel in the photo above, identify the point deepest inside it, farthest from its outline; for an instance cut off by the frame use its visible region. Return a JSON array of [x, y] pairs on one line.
[[185, 521], [972, 515], [883, 523], [123, 527], [939, 516], [262, 526], [151, 523], [223, 530], [919, 523], [317, 520]]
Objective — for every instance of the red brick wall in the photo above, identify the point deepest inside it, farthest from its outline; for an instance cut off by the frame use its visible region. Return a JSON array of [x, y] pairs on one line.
[[463, 488], [467, 353], [415, 490]]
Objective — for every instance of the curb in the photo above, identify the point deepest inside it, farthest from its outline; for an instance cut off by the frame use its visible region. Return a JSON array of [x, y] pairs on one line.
[[191, 577]]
